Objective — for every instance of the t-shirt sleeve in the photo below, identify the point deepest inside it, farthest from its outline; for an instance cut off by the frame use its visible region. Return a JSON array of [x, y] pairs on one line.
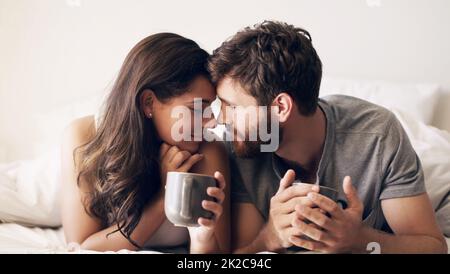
[[403, 174]]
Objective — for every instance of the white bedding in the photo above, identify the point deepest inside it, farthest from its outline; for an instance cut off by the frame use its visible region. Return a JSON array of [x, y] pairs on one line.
[[29, 192], [15, 238]]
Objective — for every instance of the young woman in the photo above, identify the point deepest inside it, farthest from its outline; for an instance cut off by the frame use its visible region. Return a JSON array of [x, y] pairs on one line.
[[114, 167]]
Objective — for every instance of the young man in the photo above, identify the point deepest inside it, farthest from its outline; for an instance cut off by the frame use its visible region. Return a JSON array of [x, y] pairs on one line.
[[342, 142]]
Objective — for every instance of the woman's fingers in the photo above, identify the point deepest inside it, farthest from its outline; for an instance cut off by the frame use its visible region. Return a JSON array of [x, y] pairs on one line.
[[171, 153], [206, 222], [179, 158], [216, 193], [214, 207], [219, 177], [163, 150], [186, 166]]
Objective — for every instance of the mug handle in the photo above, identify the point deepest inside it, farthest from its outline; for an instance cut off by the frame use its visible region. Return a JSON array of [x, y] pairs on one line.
[[342, 203], [186, 198]]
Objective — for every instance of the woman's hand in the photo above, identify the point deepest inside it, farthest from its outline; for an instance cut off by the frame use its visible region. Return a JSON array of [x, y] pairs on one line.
[[171, 158], [202, 237]]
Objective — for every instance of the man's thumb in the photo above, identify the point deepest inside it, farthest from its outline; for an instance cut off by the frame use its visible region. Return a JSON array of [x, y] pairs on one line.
[[353, 200], [287, 180]]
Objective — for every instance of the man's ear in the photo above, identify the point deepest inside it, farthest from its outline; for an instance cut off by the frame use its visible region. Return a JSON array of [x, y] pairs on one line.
[[285, 105], [146, 100]]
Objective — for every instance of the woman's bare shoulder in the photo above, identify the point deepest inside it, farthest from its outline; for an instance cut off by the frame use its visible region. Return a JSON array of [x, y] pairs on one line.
[[79, 132], [81, 129]]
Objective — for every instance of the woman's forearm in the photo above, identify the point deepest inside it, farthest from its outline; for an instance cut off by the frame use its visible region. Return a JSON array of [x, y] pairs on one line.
[[152, 218], [211, 246]]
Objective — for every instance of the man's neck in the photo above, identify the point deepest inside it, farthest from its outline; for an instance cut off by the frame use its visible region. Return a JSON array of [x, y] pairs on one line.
[[303, 140]]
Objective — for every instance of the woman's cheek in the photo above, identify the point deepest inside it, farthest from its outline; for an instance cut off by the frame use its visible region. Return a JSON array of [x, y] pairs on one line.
[[172, 137], [166, 133]]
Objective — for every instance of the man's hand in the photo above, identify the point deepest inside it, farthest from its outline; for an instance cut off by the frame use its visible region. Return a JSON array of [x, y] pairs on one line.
[[279, 227], [337, 233]]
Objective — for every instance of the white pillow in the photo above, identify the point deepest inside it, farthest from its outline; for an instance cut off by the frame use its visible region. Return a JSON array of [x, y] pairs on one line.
[[50, 125], [30, 191], [432, 145], [418, 100]]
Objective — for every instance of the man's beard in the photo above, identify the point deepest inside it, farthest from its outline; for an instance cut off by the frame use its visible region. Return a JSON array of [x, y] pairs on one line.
[[251, 149], [247, 149]]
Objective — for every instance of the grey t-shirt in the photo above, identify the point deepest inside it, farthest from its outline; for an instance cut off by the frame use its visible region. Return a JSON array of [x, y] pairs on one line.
[[363, 140]]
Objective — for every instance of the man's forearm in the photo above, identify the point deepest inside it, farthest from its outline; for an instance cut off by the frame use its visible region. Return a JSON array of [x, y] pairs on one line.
[[255, 246], [391, 243], [262, 242]]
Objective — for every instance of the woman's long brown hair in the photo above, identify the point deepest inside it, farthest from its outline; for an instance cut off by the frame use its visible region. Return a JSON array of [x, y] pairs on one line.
[[120, 163]]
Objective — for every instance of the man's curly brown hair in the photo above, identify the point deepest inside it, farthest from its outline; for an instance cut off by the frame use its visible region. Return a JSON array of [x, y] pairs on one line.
[[270, 58]]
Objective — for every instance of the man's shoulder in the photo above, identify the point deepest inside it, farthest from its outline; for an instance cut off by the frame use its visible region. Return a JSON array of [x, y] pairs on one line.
[[357, 116]]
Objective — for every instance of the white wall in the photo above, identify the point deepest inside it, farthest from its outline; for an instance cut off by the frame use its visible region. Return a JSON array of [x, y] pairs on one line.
[[53, 52]]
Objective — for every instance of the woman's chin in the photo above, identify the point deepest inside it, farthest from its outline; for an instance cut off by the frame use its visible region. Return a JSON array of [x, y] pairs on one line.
[[190, 146]]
